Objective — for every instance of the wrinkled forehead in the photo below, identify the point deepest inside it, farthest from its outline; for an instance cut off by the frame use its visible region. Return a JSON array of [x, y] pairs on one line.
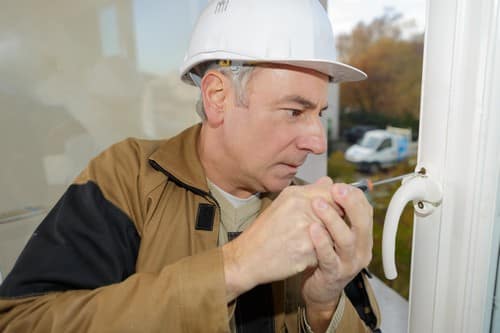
[[278, 80]]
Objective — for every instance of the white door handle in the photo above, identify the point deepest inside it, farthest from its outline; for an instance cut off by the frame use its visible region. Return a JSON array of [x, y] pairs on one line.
[[426, 196]]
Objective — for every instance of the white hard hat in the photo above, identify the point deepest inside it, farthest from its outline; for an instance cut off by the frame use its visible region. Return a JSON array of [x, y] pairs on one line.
[[293, 32]]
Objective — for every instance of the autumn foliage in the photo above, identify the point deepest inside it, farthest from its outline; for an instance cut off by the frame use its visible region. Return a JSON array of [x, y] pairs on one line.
[[390, 96], [393, 65]]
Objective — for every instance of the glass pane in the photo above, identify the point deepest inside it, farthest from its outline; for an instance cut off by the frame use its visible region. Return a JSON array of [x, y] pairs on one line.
[[384, 39], [76, 77]]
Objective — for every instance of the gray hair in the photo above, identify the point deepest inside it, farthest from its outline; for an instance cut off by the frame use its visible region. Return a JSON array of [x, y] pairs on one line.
[[239, 76]]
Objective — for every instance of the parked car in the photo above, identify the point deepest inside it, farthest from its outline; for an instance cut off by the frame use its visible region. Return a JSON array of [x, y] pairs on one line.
[[355, 133], [378, 149]]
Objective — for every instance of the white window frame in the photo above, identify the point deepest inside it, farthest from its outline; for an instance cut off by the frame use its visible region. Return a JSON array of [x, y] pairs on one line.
[[459, 146]]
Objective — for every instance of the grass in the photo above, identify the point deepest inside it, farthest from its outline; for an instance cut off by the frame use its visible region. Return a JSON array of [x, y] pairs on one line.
[[342, 171]]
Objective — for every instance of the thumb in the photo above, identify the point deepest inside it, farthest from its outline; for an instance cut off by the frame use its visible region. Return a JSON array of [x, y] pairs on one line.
[[324, 181]]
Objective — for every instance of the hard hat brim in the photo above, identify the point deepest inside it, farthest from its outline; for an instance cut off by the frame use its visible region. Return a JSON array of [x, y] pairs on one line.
[[337, 71]]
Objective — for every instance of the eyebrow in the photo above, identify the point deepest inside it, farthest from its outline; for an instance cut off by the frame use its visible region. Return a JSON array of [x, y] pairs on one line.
[[302, 101]]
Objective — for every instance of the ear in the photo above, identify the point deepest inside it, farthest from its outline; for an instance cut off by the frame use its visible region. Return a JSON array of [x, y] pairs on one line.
[[214, 91]]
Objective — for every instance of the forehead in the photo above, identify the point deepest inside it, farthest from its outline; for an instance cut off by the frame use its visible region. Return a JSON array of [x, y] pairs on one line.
[[275, 82]]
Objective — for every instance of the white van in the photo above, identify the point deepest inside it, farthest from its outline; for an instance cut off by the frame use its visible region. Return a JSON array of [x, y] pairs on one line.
[[378, 149]]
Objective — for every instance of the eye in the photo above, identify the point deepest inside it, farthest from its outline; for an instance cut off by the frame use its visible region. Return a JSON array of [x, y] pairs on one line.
[[294, 113]]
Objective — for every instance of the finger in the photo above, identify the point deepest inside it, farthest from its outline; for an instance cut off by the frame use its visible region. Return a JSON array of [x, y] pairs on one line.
[[338, 209], [349, 246], [356, 207], [324, 181], [319, 187], [339, 231], [323, 246]]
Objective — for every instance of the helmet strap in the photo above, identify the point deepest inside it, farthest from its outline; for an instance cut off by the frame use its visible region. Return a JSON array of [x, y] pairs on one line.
[[195, 78]]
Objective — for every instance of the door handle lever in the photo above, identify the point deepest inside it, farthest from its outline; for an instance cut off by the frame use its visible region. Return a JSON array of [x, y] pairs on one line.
[[426, 195]]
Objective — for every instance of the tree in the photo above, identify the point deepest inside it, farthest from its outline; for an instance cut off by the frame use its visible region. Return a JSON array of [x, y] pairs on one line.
[[362, 36], [393, 65]]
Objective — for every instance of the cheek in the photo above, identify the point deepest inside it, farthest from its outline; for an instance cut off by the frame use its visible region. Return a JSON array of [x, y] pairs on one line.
[[237, 132], [273, 143], [263, 136]]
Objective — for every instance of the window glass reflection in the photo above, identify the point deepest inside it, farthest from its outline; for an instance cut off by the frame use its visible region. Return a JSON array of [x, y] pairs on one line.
[[110, 40], [77, 77]]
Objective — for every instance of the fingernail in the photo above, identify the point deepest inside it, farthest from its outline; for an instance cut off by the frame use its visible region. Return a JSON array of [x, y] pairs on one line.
[[343, 190], [321, 204]]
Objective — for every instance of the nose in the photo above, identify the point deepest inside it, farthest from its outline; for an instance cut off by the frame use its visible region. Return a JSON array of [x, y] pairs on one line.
[[313, 139]]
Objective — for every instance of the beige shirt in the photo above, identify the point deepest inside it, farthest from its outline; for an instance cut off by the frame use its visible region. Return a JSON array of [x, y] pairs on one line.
[[236, 215]]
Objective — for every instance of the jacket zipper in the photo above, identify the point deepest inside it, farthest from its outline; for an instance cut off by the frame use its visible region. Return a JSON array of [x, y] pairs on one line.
[[193, 189]]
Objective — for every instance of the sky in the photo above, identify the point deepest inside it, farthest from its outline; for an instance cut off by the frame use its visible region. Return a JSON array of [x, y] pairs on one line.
[[345, 14], [162, 27]]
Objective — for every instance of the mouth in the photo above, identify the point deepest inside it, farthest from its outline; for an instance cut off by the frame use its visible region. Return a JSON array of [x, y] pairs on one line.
[[293, 167]]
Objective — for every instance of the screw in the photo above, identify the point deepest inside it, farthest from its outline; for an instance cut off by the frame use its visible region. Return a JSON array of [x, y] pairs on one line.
[[422, 171]]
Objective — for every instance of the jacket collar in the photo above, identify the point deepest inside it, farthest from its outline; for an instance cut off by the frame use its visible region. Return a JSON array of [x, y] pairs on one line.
[[178, 157]]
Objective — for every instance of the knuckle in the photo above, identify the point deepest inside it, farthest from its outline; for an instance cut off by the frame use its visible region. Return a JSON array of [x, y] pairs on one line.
[[302, 224], [305, 248], [349, 247], [299, 203], [313, 261], [326, 179], [357, 192], [293, 198], [288, 191], [304, 258], [299, 267], [295, 190], [357, 196], [349, 240]]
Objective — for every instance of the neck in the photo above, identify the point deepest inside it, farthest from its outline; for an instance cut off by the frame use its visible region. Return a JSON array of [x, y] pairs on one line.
[[217, 164]]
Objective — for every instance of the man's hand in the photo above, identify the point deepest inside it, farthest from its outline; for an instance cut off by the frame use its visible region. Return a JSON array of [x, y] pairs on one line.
[[343, 248], [278, 244]]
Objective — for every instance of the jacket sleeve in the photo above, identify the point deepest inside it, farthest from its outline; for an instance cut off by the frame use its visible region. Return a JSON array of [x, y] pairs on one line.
[[345, 319], [351, 320], [77, 272]]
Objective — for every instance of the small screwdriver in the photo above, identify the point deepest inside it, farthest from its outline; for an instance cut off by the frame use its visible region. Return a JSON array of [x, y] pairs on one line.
[[366, 184]]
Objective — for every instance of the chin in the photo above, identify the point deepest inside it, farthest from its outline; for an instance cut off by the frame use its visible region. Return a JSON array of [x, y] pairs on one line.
[[278, 185]]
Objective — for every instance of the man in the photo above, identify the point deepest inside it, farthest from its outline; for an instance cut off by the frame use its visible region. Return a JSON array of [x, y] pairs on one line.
[[202, 232]]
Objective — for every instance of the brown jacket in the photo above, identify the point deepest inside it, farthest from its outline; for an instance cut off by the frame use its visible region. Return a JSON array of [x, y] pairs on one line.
[[132, 247]]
